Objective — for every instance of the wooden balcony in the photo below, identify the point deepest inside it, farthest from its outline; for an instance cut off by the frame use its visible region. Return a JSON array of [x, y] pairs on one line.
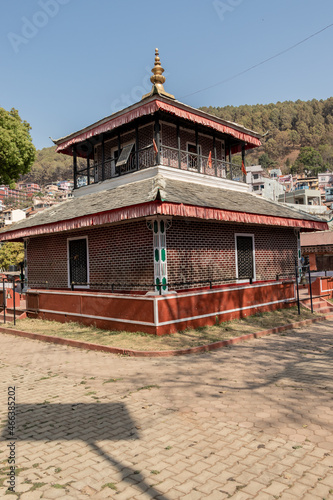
[[166, 156]]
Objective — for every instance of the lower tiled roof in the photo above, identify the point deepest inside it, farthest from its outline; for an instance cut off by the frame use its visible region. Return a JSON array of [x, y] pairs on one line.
[[158, 189]]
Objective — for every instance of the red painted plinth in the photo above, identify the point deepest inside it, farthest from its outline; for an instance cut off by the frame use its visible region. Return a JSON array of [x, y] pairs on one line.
[[323, 286], [160, 315]]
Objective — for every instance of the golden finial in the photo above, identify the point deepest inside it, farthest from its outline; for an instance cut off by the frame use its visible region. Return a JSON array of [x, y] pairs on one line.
[[158, 79]]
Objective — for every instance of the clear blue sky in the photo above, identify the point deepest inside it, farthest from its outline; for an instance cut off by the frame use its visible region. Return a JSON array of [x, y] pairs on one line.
[[68, 63]]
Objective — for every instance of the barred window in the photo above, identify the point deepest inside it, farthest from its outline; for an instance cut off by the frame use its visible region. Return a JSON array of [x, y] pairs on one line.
[[245, 256], [78, 261]]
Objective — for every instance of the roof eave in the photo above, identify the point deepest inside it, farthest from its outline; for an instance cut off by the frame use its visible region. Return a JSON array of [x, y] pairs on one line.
[[155, 207], [155, 97]]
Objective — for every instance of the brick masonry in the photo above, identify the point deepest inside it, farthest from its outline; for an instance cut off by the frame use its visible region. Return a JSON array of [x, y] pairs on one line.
[[196, 250], [206, 250], [117, 254]]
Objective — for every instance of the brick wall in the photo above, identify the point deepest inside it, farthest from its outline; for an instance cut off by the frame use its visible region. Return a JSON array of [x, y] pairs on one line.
[[206, 250], [196, 250], [146, 135], [117, 254]]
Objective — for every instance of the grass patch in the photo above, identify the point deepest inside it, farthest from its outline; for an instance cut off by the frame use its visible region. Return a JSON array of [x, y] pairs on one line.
[[35, 486], [145, 342], [112, 486], [111, 380]]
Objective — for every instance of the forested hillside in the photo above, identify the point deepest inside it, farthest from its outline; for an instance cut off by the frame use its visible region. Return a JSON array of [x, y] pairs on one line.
[[298, 135], [49, 167], [289, 126]]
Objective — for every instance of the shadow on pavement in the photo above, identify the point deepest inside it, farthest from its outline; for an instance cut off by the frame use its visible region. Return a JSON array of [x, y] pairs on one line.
[[90, 423]]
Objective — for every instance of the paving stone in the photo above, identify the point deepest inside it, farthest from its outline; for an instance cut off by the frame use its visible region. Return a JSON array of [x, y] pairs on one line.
[[31, 495], [252, 421]]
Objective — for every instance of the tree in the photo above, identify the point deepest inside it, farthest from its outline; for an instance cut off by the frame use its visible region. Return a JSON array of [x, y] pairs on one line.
[[309, 159], [17, 153], [11, 254], [266, 162]]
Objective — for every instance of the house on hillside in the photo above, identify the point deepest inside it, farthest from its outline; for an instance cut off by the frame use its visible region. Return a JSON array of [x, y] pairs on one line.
[[12, 215], [162, 232], [263, 184]]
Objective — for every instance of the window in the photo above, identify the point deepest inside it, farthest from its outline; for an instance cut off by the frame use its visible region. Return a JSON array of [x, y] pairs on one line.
[[192, 157], [78, 268], [245, 262], [125, 161], [255, 176]]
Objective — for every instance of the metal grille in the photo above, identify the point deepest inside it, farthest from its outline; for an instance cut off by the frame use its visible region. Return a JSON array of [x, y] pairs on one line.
[[245, 257], [78, 261]]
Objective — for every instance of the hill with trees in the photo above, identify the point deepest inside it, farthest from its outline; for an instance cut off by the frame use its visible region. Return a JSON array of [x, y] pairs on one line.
[[288, 127], [49, 167]]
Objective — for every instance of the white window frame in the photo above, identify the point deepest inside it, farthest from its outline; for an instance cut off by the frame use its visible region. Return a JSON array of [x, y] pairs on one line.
[[249, 235], [68, 263], [188, 143]]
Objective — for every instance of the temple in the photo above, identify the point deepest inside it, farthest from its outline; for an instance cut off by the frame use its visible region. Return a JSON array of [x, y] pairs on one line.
[[162, 232]]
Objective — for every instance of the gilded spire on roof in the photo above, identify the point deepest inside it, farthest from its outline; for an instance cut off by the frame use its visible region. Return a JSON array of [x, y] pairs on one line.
[[158, 79]]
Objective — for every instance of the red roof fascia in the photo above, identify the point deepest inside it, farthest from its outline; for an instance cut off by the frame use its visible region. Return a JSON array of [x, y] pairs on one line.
[[243, 217], [98, 219], [150, 108], [161, 208]]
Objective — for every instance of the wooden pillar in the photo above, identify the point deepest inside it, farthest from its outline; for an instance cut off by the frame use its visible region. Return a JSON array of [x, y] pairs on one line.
[[178, 145], [119, 144], [197, 147], [229, 169], [136, 147], [157, 129], [215, 154], [74, 166], [88, 169], [103, 158], [243, 161], [90, 149]]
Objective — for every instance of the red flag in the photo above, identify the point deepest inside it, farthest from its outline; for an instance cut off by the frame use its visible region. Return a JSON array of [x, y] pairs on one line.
[[210, 159], [155, 146], [243, 168]]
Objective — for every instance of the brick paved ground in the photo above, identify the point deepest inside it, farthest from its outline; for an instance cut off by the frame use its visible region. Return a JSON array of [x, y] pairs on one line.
[[250, 421]]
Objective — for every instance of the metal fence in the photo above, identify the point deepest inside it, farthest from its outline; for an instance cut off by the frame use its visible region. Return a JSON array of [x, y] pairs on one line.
[[168, 156]]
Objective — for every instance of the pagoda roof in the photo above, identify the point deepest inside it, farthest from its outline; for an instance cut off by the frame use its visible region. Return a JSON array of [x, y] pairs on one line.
[[161, 195], [149, 106]]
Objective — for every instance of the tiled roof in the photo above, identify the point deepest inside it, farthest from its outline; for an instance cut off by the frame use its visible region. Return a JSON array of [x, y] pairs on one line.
[[317, 239], [165, 189]]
